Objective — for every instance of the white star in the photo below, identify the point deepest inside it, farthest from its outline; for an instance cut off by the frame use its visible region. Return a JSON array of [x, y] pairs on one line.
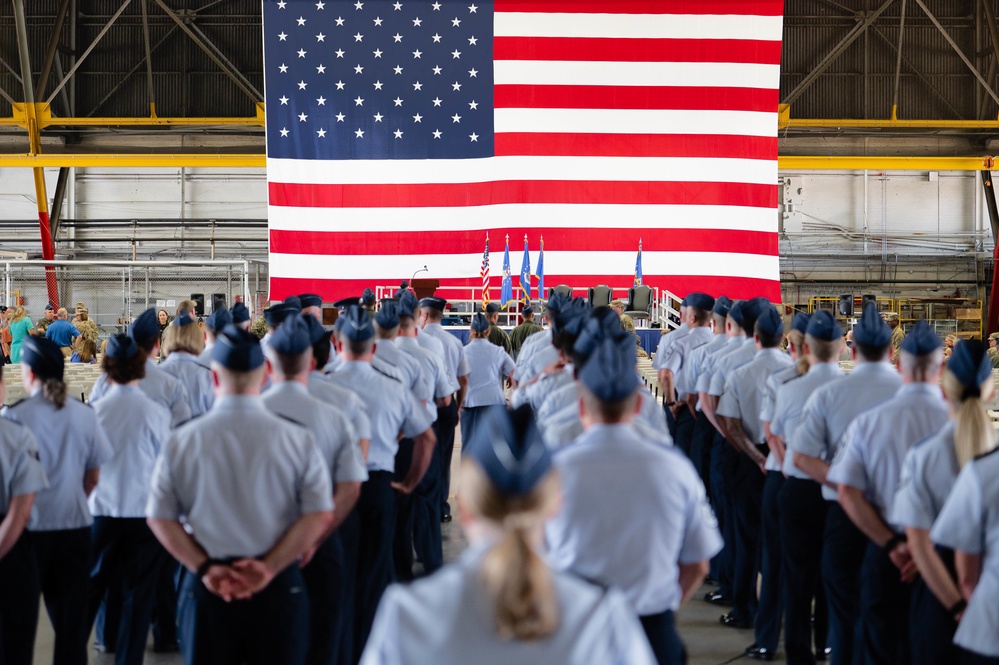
[[437, 133], [320, 37], [474, 137], [302, 85], [437, 71], [321, 133], [340, 117], [456, 118], [301, 21], [358, 37], [398, 101], [321, 101], [456, 86], [456, 21], [378, 85], [339, 85], [437, 101], [339, 20], [358, 69], [301, 53], [283, 68], [284, 100], [282, 4], [417, 53], [417, 22], [283, 37], [437, 39], [339, 52], [398, 133], [417, 118], [472, 73], [302, 117], [321, 69], [473, 105], [378, 21], [378, 117], [397, 37], [472, 41], [417, 86], [377, 53], [397, 69], [437, 6], [397, 6], [471, 9], [284, 131], [456, 54], [358, 5], [359, 133], [320, 5], [358, 101]]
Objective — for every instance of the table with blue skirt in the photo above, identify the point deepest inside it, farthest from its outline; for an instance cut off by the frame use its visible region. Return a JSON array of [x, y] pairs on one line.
[[649, 336]]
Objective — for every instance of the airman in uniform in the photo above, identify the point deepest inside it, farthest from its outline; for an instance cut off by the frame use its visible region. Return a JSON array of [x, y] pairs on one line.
[[214, 324], [526, 329], [497, 335], [48, 318], [183, 342]]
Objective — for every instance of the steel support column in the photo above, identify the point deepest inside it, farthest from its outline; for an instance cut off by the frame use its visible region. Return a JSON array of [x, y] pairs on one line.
[[992, 323]]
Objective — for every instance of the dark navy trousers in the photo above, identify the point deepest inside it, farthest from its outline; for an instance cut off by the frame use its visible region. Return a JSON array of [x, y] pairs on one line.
[[842, 555], [931, 627], [666, 645], [324, 581], [747, 495], [884, 611], [771, 609], [375, 570], [723, 461], [447, 421], [19, 588], [402, 538], [684, 431], [63, 559], [427, 539]]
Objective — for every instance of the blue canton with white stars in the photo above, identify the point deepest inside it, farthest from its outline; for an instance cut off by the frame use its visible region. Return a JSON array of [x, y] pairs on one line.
[[378, 79]]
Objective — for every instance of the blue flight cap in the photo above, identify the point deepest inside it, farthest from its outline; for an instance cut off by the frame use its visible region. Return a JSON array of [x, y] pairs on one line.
[[770, 323], [43, 356], [557, 301], [145, 328], [310, 300], [823, 327], [871, 330], [276, 314], [722, 305], [700, 301], [685, 302], [121, 347], [237, 350], [527, 311], [356, 326], [292, 337], [510, 450], [735, 311], [921, 340], [294, 301], [572, 317], [407, 303], [240, 313], [433, 302], [49, 306], [388, 316], [969, 363], [800, 322], [317, 332], [603, 324], [368, 297], [183, 319], [752, 309], [610, 371], [480, 323], [218, 320], [492, 308]]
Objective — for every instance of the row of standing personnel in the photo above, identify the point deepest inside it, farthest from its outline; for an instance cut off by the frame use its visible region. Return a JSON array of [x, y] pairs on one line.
[[866, 505]]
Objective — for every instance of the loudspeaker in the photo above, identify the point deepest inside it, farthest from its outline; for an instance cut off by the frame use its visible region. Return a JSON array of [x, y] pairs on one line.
[[199, 303], [218, 301], [846, 304], [866, 298]]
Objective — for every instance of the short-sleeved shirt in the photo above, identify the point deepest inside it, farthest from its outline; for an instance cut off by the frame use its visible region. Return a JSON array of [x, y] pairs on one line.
[[928, 474], [526, 369], [136, 428], [344, 399], [831, 409], [536, 393], [334, 435], [665, 341], [773, 382], [649, 516], [195, 378], [711, 360], [729, 363], [874, 446], [490, 365], [969, 522], [409, 368], [565, 425], [434, 372], [391, 407], [21, 471], [159, 386], [699, 359], [788, 406], [454, 352], [679, 352], [62, 333], [239, 477], [70, 443], [743, 392]]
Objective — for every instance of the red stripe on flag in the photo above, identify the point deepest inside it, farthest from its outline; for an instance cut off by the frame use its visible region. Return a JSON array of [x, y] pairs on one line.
[[565, 239], [521, 191], [636, 145], [616, 49], [738, 7], [332, 290], [635, 97]]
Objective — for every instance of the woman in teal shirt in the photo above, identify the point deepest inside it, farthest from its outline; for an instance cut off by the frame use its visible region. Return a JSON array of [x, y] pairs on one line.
[[20, 327]]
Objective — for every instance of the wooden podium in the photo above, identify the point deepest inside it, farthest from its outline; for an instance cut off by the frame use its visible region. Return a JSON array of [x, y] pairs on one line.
[[425, 288]]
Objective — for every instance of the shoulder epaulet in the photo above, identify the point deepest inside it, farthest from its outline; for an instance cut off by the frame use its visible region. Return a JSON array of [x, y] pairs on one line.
[[984, 455], [386, 374], [78, 399], [197, 364], [7, 421], [290, 420], [18, 402]]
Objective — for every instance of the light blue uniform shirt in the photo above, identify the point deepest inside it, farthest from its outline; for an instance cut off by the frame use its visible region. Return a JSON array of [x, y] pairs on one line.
[[536, 393], [205, 357], [239, 477], [594, 626], [678, 354], [773, 382], [524, 370], [136, 428], [490, 365], [410, 370], [665, 341], [344, 399], [928, 474], [390, 406], [730, 362], [707, 369], [20, 471], [565, 424], [699, 359], [158, 385], [969, 522], [743, 393], [789, 405], [454, 352], [334, 435], [875, 444], [831, 409], [70, 443], [434, 371], [195, 378], [631, 512]]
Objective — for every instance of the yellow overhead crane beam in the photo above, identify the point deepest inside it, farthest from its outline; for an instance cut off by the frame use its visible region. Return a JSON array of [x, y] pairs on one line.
[[44, 119]]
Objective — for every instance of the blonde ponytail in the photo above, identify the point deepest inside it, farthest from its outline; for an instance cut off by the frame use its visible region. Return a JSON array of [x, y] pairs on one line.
[[796, 338], [973, 431]]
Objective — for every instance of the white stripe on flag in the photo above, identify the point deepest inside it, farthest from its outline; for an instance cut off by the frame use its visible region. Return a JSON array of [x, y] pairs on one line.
[[640, 26], [698, 74], [635, 121]]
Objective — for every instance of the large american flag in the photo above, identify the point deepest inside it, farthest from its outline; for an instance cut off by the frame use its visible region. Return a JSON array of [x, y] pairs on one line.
[[400, 132]]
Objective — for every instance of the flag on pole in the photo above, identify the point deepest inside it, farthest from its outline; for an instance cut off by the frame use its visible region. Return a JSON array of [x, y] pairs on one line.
[[638, 265], [541, 270], [399, 132], [484, 271], [525, 275], [506, 296]]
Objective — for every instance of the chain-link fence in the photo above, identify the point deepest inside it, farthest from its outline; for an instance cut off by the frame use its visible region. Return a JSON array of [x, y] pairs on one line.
[[116, 291]]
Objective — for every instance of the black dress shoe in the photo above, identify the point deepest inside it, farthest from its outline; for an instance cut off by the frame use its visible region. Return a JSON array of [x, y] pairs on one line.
[[169, 647], [759, 653], [822, 655], [717, 598], [734, 622], [445, 519]]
